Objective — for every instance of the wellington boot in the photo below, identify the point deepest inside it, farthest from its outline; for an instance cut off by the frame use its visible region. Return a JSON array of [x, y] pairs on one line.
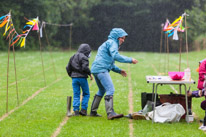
[[113, 115], [95, 105], [69, 99], [109, 108]]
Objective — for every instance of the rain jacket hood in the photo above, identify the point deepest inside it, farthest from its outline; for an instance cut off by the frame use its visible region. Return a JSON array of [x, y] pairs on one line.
[[116, 33], [108, 53], [78, 65], [85, 49]]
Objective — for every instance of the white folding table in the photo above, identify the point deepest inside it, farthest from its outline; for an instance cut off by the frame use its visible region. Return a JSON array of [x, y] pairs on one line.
[[166, 80]]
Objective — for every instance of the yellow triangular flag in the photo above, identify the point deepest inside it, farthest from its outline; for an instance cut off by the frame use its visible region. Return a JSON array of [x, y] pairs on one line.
[[23, 42], [30, 23]]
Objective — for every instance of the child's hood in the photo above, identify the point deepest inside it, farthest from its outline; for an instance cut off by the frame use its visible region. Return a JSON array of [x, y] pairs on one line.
[[85, 49], [202, 68]]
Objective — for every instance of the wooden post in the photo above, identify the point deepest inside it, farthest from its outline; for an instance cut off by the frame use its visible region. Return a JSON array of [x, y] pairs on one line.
[[180, 52], [204, 43], [167, 53], [15, 76], [161, 46], [42, 59], [165, 43], [7, 93], [70, 37], [50, 52], [186, 39]]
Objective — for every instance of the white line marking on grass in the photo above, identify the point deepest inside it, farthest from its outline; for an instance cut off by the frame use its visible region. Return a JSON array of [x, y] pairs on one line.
[[28, 99], [172, 87], [130, 100], [58, 130], [25, 78]]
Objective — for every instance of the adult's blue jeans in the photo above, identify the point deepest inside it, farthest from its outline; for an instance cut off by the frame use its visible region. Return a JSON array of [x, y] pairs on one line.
[[104, 83], [76, 84]]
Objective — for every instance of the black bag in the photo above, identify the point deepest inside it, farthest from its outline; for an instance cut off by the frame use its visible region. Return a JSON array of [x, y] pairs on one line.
[[148, 97]]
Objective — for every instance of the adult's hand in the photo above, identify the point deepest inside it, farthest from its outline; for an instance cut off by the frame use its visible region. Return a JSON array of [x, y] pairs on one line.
[[123, 73], [134, 61]]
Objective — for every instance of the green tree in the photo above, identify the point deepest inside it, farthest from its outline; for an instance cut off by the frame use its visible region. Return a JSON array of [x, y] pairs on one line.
[[196, 22], [141, 19]]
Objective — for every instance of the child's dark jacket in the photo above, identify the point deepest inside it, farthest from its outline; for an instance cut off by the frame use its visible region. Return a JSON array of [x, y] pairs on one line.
[[78, 65]]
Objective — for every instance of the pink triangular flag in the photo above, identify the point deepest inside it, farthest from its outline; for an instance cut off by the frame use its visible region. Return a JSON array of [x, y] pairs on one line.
[[166, 24], [35, 27]]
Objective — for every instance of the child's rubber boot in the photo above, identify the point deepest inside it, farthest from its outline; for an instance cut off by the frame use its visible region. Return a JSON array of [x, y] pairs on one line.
[[76, 113], [83, 112]]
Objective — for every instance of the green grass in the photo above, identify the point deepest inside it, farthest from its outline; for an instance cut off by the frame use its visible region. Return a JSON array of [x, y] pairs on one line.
[[42, 115]]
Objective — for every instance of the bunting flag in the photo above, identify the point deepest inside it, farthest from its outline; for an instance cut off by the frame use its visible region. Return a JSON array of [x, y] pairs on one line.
[[18, 39], [4, 20], [175, 27]]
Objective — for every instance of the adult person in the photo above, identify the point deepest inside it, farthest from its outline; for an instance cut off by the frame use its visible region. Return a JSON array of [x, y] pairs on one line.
[[104, 62]]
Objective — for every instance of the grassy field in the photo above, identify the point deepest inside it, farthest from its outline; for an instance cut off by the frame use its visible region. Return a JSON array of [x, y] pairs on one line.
[[42, 108]]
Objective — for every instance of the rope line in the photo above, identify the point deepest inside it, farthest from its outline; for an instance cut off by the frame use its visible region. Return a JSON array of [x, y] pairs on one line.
[[54, 24]]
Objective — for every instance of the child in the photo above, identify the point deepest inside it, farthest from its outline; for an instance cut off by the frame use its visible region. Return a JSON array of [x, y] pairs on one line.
[[202, 87], [78, 70]]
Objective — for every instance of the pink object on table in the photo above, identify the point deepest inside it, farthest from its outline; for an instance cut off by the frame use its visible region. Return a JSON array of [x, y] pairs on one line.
[[176, 75]]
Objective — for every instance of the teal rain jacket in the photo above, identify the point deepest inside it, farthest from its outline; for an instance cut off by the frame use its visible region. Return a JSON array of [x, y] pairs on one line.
[[108, 53]]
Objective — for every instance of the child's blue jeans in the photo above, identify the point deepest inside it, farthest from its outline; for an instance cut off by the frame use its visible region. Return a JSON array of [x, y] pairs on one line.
[[76, 84], [104, 83]]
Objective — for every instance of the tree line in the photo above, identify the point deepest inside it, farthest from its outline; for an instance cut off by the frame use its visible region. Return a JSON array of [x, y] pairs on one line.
[[93, 20]]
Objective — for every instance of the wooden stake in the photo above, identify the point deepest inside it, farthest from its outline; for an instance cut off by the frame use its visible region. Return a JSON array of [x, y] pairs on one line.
[[42, 59], [186, 39], [161, 46], [180, 52], [204, 43], [50, 52], [70, 37], [15, 76], [168, 53], [165, 43], [7, 93]]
